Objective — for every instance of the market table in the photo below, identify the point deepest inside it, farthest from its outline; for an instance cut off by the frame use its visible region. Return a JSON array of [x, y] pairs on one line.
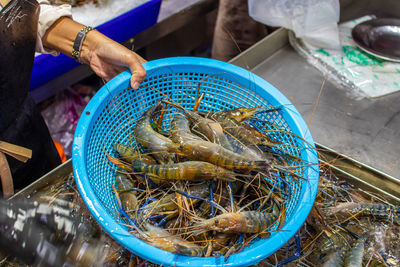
[[366, 131], [273, 59], [277, 58]]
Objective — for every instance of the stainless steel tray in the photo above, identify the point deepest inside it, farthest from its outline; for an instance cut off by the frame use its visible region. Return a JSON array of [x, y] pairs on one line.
[[365, 130]]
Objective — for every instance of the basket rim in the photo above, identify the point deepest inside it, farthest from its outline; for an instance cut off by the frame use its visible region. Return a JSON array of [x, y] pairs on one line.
[[156, 255]]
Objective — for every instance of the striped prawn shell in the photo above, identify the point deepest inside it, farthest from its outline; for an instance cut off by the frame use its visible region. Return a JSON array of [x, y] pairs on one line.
[[386, 212], [379, 210], [126, 152], [218, 155], [196, 148], [335, 258], [188, 170], [333, 242], [128, 199], [161, 238], [122, 181], [169, 202], [146, 136], [354, 256], [241, 222]]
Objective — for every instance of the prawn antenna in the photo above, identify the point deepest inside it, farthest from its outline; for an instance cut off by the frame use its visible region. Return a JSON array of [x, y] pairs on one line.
[[354, 235], [212, 203], [231, 196]]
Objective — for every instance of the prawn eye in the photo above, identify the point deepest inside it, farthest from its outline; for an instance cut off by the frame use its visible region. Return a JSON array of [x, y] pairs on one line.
[[216, 221]]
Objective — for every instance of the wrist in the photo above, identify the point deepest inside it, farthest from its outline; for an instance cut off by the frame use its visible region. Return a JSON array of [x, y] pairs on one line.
[[78, 43], [93, 43], [89, 45]]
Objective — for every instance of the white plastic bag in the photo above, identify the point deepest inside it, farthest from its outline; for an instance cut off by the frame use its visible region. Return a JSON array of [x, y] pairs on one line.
[[315, 21]]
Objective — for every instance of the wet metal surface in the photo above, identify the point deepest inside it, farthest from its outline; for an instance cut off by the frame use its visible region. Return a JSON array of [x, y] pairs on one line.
[[359, 174], [366, 130]]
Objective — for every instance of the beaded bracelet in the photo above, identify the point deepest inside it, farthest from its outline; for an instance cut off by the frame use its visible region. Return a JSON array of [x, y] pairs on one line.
[[80, 37]]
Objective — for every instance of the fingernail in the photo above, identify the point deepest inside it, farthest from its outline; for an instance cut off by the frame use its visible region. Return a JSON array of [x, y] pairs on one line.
[[135, 85]]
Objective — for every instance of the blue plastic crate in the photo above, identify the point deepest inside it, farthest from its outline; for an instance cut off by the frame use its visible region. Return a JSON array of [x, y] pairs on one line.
[[110, 117], [47, 67]]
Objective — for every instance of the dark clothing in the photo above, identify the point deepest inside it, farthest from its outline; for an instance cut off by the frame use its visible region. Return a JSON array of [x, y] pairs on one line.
[[30, 131], [18, 29], [235, 30], [20, 121]]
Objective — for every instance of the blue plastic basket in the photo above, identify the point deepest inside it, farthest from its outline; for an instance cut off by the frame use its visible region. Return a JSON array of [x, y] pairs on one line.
[[110, 117]]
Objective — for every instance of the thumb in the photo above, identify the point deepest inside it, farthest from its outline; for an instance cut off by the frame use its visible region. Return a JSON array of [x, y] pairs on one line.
[[138, 72]]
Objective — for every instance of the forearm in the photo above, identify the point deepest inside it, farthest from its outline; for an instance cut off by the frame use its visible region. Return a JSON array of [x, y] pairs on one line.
[[106, 57], [49, 14], [61, 36]]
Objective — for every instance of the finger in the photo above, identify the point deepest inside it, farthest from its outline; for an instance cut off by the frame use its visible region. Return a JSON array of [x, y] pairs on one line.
[[138, 72]]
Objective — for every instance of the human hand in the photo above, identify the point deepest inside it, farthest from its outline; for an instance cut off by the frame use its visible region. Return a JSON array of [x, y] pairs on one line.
[[108, 58]]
